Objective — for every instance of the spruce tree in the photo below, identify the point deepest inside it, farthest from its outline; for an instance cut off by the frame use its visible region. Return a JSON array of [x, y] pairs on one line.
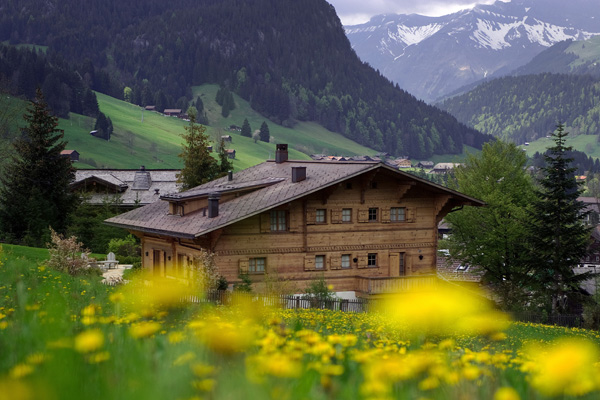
[[557, 235], [265, 136], [225, 165], [198, 165], [34, 190], [246, 130]]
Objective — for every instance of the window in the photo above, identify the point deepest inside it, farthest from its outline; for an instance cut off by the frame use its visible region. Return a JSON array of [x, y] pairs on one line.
[[372, 260], [320, 216], [278, 221], [319, 262], [402, 269], [347, 215], [373, 214], [257, 265], [348, 185], [345, 260], [397, 214]]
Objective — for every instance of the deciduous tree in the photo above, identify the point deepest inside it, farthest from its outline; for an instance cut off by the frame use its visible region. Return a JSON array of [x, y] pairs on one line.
[[491, 237]]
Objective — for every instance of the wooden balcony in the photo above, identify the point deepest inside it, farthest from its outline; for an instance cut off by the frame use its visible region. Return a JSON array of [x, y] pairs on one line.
[[386, 285]]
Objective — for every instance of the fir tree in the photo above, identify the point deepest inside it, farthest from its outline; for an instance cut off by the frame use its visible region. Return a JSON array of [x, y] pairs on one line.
[[557, 235], [265, 136], [35, 193], [225, 165], [246, 130], [198, 165]]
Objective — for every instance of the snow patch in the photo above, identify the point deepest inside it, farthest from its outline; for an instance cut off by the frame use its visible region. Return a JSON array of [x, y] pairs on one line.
[[497, 36], [414, 34]]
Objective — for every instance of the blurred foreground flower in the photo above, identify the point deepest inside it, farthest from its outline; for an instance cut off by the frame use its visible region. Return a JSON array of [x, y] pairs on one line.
[[445, 311], [89, 341], [226, 338], [569, 367], [144, 329], [148, 291]]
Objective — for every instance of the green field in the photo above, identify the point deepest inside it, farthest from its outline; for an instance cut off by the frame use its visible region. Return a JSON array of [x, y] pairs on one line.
[[65, 337], [151, 139], [584, 143]]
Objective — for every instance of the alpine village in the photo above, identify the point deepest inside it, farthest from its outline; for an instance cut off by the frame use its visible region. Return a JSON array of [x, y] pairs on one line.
[[299, 199]]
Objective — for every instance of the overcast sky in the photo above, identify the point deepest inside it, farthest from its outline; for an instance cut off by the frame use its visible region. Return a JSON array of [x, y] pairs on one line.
[[353, 12]]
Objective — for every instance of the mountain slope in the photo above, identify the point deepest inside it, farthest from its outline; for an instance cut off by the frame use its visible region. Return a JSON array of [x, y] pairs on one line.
[[289, 58], [524, 108], [432, 56]]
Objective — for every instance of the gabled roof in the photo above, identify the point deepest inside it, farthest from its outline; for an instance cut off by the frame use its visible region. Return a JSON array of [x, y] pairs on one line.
[[274, 187], [133, 187]]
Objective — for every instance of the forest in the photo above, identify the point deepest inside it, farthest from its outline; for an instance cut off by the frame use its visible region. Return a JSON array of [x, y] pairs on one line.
[[262, 50], [524, 108]]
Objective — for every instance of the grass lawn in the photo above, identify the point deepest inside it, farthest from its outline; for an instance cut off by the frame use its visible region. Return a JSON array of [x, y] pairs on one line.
[[72, 337]]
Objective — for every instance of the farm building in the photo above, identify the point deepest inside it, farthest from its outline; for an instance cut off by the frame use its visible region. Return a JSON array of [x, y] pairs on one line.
[[73, 155], [126, 187], [366, 227]]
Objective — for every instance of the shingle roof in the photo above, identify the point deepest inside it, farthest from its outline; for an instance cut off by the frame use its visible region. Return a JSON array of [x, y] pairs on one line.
[[276, 188], [163, 180]]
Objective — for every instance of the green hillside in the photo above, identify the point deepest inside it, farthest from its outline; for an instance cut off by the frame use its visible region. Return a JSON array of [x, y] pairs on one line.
[[151, 139]]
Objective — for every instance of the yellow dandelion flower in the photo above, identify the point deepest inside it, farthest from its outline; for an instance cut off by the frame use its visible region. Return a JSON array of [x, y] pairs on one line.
[[89, 341], [205, 385], [506, 393], [184, 358], [144, 329], [15, 390], [20, 371], [100, 357]]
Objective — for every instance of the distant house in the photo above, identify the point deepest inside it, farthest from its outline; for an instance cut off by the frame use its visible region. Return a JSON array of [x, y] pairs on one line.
[[94, 133], [72, 154], [227, 138], [172, 112], [128, 188], [235, 128], [442, 168], [401, 163], [425, 164], [231, 153], [150, 108]]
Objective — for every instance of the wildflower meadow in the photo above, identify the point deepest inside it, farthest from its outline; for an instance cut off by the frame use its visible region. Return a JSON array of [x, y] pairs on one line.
[[64, 337]]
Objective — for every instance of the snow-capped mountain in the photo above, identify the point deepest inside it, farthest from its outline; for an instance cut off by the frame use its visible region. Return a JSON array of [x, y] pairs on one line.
[[433, 56]]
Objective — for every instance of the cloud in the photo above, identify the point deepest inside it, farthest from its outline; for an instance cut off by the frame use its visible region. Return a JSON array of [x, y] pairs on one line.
[[360, 11]]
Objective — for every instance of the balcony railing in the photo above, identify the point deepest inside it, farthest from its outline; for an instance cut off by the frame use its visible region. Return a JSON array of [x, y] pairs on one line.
[[395, 284]]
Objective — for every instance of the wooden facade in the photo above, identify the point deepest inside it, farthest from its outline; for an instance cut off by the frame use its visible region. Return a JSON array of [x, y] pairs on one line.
[[364, 232]]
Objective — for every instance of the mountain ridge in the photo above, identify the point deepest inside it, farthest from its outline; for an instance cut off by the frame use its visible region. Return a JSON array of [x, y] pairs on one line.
[[432, 56]]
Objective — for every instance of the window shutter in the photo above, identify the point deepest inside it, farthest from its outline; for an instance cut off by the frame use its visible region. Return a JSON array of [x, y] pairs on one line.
[[265, 222], [335, 262], [410, 215], [311, 216], [244, 265], [363, 215], [385, 215], [309, 263], [362, 261], [336, 216]]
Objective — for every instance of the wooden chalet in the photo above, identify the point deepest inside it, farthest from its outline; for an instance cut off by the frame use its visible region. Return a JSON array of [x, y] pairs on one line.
[[72, 155], [365, 226], [172, 112]]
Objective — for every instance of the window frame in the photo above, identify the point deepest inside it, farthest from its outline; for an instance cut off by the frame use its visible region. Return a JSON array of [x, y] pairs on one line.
[[349, 256], [321, 219], [320, 260], [371, 260], [349, 210], [373, 211], [276, 216], [253, 263], [395, 213]]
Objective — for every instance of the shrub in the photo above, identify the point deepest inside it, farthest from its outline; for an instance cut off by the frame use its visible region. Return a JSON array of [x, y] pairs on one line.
[[245, 286], [125, 247], [204, 271], [68, 255]]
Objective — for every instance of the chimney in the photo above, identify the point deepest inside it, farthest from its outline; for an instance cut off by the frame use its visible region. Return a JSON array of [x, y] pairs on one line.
[[281, 154], [143, 168], [230, 175], [213, 204], [298, 174]]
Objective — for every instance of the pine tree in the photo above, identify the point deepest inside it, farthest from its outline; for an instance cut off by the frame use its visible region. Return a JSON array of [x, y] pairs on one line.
[[265, 136], [557, 235], [35, 192], [246, 130], [198, 165], [225, 165]]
